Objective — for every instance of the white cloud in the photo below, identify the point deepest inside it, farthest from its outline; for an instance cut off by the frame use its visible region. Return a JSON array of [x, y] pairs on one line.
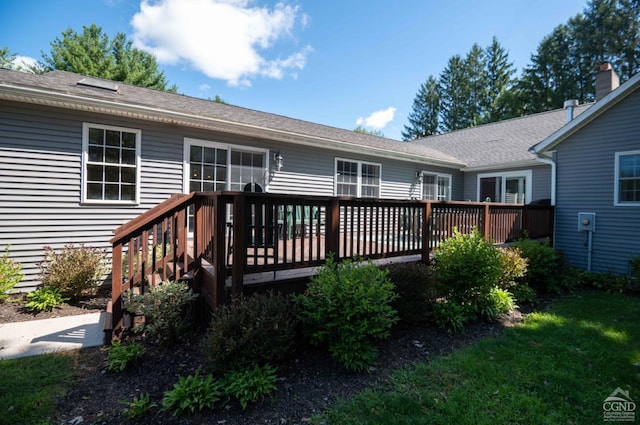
[[204, 87], [379, 119], [223, 39], [24, 63]]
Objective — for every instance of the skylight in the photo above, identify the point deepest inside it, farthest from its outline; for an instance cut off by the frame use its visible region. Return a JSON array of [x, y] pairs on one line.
[[99, 84]]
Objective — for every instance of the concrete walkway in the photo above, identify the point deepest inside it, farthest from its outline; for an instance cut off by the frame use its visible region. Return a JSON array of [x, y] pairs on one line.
[[24, 339]]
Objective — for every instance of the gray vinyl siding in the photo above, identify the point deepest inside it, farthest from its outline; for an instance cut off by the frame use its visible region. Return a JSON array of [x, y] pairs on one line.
[[40, 178], [540, 187], [585, 183]]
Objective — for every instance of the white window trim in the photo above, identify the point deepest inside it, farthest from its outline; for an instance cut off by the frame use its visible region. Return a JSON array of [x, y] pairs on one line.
[[527, 174], [431, 173], [616, 180], [85, 160], [359, 180], [186, 158]]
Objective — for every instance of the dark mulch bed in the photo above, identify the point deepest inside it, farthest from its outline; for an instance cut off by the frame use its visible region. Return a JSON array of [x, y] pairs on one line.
[[308, 383]]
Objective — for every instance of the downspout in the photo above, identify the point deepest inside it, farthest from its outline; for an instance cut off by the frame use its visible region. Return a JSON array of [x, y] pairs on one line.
[[551, 163]]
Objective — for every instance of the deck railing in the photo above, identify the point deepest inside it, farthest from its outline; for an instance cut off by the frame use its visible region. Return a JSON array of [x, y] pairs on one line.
[[219, 239]]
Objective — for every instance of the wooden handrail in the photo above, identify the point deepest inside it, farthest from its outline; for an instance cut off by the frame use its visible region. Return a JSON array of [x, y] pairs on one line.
[[163, 209]]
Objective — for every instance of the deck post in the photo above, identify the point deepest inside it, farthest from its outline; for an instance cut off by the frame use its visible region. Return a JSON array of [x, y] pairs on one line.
[[333, 229], [116, 284], [486, 222], [426, 231], [239, 243], [198, 224], [218, 238]]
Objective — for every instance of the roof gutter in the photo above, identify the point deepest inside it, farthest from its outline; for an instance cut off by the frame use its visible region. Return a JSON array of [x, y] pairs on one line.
[[48, 98], [501, 166], [552, 163]]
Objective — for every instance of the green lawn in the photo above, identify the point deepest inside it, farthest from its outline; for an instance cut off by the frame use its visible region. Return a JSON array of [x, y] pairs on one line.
[[555, 368], [29, 388]]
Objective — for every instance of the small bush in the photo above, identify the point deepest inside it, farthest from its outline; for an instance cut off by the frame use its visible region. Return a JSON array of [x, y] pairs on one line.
[[347, 306], [544, 265], [193, 392], [166, 308], [255, 330], [75, 270], [451, 316], [250, 384], [514, 267], [119, 356], [609, 282], [138, 407], [416, 288], [497, 304], [467, 267], [10, 274], [635, 267], [524, 294], [44, 299]]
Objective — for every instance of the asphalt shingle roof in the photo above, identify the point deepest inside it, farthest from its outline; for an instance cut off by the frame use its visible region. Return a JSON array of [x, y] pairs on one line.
[[67, 83], [500, 142]]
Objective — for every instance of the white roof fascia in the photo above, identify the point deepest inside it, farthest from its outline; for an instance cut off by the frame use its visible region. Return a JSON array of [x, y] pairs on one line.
[[587, 116], [38, 96]]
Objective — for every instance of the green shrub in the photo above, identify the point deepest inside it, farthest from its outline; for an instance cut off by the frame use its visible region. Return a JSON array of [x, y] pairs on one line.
[[524, 294], [451, 316], [514, 267], [497, 304], [544, 265], [166, 308], [75, 270], [250, 384], [635, 267], [10, 274], [138, 407], [609, 282], [347, 306], [416, 288], [467, 267], [120, 356], [193, 392], [44, 299], [255, 330]]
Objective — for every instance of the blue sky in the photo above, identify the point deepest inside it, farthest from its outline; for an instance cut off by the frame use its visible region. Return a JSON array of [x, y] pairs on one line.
[[339, 63]]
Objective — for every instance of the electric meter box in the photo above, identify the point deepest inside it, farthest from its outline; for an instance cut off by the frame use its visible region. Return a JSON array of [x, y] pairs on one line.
[[586, 222]]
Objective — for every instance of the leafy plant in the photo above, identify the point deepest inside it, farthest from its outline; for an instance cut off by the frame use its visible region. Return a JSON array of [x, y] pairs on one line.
[[514, 267], [544, 265], [524, 294], [249, 385], [610, 282], [347, 306], [254, 330], [451, 316], [120, 356], [44, 299], [166, 308], [193, 392], [10, 273], [497, 303], [416, 288], [467, 267], [635, 267], [139, 406], [74, 270]]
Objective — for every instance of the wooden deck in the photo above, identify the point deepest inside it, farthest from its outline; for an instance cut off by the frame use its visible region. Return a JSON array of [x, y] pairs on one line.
[[225, 242]]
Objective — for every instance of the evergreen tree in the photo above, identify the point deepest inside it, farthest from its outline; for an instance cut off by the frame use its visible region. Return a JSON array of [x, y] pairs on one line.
[[6, 58], [423, 119], [499, 82], [455, 93], [92, 53], [361, 129]]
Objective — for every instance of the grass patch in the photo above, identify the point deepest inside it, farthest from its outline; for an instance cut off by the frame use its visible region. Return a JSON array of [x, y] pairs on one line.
[[29, 388], [557, 367]]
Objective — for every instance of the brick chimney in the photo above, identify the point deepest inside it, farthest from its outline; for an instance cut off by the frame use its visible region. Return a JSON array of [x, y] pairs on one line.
[[606, 81]]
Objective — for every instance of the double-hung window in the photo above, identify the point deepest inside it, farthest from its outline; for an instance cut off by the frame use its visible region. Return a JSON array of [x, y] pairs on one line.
[[111, 164], [357, 179], [627, 180], [436, 187]]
